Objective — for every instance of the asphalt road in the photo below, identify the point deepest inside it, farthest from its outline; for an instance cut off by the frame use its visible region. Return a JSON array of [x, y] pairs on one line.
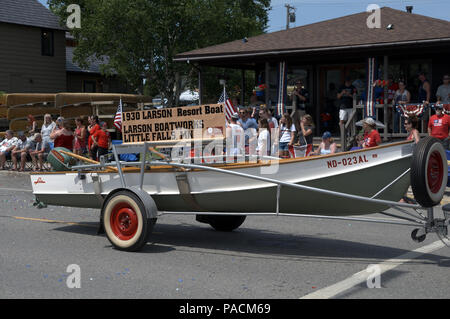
[[267, 257]]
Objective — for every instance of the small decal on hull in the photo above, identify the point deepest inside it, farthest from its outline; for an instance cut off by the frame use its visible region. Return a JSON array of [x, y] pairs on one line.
[[39, 181]]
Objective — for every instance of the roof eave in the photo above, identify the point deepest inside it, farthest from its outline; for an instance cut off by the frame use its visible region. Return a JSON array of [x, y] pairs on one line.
[[48, 27], [194, 58]]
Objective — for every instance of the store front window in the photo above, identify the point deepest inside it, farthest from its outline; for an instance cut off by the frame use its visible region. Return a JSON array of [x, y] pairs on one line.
[[408, 71], [295, 74]]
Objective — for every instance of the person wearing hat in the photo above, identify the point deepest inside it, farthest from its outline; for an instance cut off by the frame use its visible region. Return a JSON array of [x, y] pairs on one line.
[[443, 91], [327, 146], [235, 137], [438, 126], [371, 136]]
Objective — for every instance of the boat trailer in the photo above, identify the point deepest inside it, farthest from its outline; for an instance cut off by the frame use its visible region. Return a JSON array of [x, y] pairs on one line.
[[420, 215]]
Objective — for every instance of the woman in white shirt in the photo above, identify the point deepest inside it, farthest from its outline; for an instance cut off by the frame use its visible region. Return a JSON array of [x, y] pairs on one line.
[[47, 127], [287, 134], [235, 137], [263, 148]]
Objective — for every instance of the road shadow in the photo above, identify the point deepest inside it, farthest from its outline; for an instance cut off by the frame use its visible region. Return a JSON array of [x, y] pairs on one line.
[[82, 228], [92, 229], [256, 243], [264, 244]]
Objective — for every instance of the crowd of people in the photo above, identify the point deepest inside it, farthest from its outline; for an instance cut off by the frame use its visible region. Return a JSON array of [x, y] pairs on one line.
[[339, 100], [279, 137], [275, 137], [296, 129], [34, 145]]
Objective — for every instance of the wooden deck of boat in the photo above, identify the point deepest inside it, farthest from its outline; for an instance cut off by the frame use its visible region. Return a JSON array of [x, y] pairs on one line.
[[238, 165]]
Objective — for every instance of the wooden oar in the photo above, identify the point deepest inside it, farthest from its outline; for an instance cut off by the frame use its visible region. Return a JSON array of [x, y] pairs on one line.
[[110, 169], [154, 151], [87, 160]]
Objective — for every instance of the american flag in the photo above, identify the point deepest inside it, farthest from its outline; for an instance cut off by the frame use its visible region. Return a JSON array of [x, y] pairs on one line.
[[118, 117], [230, 109]]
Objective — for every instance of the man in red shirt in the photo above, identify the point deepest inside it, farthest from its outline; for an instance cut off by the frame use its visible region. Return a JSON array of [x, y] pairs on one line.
[[371, 136], [100, 140], [438, 126]]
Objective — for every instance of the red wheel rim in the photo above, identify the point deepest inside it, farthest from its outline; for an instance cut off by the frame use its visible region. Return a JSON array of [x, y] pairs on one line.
[[435, 172], [124, 221]]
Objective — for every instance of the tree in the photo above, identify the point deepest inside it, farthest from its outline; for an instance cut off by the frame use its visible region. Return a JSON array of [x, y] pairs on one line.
[[141, 37]]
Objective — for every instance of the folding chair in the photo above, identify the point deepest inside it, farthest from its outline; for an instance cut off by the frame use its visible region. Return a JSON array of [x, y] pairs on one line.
[[8, 163], [28, 163]]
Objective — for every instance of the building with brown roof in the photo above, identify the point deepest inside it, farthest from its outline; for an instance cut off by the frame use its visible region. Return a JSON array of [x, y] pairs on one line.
[[32, 54], [37, 54], [325, 53]]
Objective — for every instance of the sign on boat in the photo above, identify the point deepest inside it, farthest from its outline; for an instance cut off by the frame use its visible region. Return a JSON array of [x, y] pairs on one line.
[[171, 123]]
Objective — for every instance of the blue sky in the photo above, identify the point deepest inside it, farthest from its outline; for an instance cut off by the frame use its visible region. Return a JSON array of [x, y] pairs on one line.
[[310, 11]]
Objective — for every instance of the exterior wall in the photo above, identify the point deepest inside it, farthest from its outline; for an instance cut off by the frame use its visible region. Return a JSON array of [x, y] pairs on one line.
[[75, 83], [23, 68]]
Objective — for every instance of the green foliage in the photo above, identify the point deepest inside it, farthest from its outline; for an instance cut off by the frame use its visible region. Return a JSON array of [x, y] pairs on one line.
[[141, 37]]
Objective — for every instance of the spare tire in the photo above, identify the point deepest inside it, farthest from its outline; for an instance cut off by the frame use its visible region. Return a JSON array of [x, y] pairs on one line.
[[224, 223], [429, 172]]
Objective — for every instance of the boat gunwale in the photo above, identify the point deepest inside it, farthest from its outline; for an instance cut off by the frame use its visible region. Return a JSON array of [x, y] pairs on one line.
[[164, 168]]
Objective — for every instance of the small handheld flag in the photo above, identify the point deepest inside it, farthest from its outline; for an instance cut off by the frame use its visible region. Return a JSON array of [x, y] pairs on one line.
[[230, 109], [118, 117]]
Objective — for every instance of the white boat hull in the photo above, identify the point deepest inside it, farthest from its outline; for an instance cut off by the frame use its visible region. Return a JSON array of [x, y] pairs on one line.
[[362, 173]]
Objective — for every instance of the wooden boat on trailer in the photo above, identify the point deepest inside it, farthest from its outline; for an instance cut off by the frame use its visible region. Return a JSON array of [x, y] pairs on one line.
[[132, 196]]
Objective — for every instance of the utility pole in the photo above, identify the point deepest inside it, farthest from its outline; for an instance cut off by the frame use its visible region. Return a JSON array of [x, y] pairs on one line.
[[290, 15]]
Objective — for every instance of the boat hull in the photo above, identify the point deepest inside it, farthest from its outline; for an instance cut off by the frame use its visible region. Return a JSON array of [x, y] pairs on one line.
[[361, 173]]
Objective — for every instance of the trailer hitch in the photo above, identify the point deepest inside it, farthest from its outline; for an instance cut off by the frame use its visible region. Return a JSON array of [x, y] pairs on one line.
[[434, 225]]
